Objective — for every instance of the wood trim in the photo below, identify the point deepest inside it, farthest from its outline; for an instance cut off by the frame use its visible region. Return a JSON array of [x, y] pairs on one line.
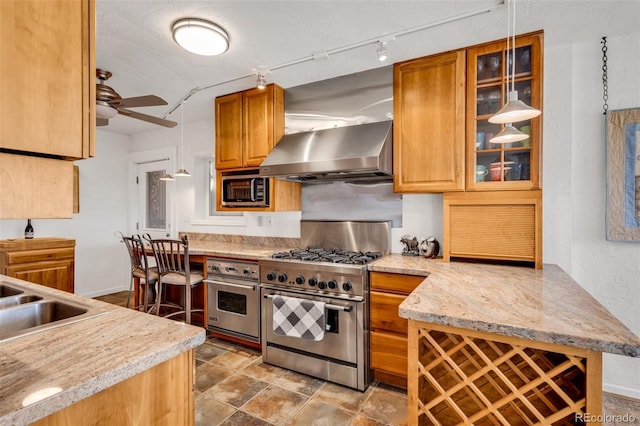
[[88, 76], [76, 189]]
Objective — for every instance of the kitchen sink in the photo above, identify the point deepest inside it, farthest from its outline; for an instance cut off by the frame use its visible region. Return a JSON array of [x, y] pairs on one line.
[[7, 302], [6, 291], [24, 311]]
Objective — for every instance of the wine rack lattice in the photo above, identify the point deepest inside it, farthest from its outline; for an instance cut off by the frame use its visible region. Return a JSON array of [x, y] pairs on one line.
[[473, 380]]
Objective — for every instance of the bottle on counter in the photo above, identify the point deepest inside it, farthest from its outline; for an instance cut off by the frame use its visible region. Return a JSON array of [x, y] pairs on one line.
[[28, 230]]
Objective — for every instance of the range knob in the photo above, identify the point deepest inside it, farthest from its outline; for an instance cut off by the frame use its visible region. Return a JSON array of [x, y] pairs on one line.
[[246, 271], [300, 280], [313, 281], [322, 285], [346, 286], [215, 268], [332, 284], [271, 276], [282, 277]]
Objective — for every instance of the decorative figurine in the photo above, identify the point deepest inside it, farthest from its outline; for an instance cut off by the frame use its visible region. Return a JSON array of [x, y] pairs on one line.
[[429, 247], [410, 245]]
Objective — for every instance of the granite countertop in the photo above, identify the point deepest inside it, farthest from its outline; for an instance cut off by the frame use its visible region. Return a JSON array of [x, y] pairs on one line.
[[543, 305], [85, 357]]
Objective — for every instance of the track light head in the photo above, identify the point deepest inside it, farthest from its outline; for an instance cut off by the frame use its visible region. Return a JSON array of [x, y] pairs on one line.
[[262, 82], [382, 51]]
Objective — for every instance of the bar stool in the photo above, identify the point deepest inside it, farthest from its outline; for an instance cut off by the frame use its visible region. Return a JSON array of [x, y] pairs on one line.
[[140, 269], [172, 260]]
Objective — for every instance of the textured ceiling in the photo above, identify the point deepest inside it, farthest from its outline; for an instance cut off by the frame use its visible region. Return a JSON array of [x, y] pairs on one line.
[[134, 42]]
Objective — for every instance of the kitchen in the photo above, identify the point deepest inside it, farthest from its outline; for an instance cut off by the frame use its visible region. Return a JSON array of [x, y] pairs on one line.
[[573, 161]]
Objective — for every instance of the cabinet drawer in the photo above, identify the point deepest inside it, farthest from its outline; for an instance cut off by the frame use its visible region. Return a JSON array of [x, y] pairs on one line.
[[31, 256], [397, 283], [389, 353], [384, 313]]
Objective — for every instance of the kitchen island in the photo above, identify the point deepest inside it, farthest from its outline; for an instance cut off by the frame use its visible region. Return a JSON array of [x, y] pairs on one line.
[[504, 344], [117, 367]]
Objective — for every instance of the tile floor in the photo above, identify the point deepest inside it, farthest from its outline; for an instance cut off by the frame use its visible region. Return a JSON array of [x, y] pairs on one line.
[[234, 387]]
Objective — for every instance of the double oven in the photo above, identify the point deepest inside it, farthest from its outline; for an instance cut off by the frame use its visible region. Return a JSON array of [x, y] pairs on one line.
[[331, 272]]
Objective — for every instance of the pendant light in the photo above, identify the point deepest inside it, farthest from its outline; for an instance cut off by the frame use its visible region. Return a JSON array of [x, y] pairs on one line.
[[182, 172], [514, 110]]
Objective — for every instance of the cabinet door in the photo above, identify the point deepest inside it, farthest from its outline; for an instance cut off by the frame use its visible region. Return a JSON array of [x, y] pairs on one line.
[[261, 129], [389, 353], [428, 128], [56, 274], [384, 313], [511, 166], [47, 69], [228, 122]]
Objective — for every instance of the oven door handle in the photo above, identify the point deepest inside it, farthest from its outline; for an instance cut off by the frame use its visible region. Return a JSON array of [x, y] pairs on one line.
[[246, 287], [329, 306]]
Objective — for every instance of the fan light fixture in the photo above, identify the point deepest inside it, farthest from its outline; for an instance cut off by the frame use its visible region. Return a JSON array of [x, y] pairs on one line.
[[514, 110], [104, 110], [200, 37], [262, 81], [182, 172], [382, 51]]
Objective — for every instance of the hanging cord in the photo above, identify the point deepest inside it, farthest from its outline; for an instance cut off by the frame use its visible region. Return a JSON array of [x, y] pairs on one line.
[[605, 83]]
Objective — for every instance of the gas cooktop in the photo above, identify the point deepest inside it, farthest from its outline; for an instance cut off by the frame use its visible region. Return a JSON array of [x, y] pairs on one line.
[[311, 254]]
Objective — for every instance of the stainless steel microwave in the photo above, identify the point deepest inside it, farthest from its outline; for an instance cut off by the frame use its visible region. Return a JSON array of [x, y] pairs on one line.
[[245, 190]]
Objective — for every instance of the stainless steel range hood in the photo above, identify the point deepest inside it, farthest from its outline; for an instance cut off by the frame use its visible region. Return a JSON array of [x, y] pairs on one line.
[[361, 152], [325, 139]]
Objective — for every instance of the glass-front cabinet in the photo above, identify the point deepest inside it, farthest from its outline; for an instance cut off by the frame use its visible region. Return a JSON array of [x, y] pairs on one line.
[[511, 166]]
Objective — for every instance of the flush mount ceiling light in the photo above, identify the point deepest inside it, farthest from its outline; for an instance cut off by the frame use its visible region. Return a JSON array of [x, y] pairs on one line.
[[262, 81], [514, 110], [200, 37], [382, 51]]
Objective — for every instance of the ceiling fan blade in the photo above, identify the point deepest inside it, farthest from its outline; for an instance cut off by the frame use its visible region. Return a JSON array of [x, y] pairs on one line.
[[140, 101], [102, 122], [147, 118]]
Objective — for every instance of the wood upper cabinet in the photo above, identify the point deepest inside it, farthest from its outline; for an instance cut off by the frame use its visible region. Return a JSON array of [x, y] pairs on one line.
[[47, 115], [388, 330], [46, 261], [47, 77], [248, 125], [429, 125], [511, 166]]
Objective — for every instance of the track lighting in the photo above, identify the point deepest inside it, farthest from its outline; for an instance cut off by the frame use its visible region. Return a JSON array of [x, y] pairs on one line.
[[382, 51], [262, 82]]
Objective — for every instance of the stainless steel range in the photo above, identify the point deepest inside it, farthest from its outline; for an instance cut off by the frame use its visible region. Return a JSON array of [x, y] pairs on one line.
[[329, 284]]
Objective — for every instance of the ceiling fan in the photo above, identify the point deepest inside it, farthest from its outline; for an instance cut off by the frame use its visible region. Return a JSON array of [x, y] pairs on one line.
[[109, 103]]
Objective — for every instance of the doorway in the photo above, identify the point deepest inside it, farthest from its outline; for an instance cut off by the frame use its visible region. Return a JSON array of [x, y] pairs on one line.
[[153, 207]]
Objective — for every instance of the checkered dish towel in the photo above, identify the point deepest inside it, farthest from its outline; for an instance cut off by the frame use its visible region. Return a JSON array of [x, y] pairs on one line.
[[300, 318]]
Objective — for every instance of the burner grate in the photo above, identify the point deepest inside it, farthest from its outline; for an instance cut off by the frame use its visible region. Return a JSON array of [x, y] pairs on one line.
[[313, 254]]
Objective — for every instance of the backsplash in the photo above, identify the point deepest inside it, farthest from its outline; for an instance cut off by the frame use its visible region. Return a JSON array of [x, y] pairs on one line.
[[251, 240]]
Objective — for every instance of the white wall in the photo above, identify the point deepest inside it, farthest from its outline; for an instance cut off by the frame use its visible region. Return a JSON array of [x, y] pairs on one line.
[[101, 265]]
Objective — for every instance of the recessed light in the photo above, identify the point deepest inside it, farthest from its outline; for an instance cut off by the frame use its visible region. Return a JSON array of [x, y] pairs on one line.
[[200, 37]]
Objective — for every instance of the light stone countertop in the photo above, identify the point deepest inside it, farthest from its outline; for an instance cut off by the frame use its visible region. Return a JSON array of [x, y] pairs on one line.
[[85, 357], [233, 250], [543, 305]]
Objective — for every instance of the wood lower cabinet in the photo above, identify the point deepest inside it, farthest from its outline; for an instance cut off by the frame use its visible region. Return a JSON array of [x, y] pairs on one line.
[[162, 395], [428, 123], [388, 330], [46, 261]]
